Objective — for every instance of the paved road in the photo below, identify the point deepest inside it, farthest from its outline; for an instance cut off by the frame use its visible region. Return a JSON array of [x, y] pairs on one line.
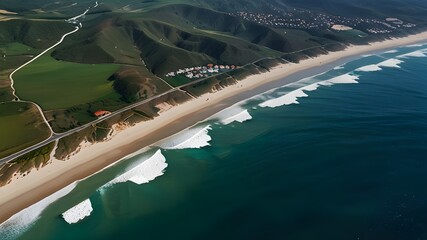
[[56, 136], [53, 136]]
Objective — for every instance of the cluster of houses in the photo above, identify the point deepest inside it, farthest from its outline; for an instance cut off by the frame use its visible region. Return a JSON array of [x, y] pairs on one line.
[[305, 19], [298, 19], [201, 71]]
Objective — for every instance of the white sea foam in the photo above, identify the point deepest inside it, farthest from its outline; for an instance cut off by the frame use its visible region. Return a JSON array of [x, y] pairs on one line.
[[338, 67], [292, 97], [143, 172], [416, 45], [240, 117], [342, 79], [419, 53], [311, 87], [393, 63], [21, 221], [391, 51], [196, 137], [78, 212], [287, 99], [369, 68], [234, 113]]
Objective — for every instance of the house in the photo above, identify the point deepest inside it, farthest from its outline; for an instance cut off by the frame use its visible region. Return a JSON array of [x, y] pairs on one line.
[[101, 113], [210, 65]]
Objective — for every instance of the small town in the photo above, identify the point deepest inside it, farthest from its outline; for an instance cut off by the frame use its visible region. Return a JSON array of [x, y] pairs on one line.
[[201, 71], [304, 19]]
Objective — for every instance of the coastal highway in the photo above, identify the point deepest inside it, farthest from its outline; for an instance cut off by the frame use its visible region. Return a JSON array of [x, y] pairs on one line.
[[56, 136]]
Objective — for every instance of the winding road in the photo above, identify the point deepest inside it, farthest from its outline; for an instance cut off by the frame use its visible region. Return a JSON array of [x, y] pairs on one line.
[[52, 135], [56, 136]]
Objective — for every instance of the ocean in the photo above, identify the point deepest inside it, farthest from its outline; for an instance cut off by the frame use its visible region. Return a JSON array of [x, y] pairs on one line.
[[340, 155]]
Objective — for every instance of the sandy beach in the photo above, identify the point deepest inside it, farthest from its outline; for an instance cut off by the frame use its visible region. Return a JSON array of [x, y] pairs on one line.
[[23, 192]]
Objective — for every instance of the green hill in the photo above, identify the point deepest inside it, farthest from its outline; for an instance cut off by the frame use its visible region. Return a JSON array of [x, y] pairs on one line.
[[178, 36], [36, 34]]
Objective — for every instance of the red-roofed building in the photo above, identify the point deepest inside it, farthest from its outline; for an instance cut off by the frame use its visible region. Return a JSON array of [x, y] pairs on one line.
[[101, 113]]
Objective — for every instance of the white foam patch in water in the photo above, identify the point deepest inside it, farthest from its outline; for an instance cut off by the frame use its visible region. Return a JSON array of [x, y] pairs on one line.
[[234, 113], [393, 63], [338, 67], [78, 212], [287, 99], [391, 51], [22, 221], [311, 87], [343, 79], [292, 97], [369, 68], [144, 172], [240, 117], [419, 53], [197, 137], [416, 45]]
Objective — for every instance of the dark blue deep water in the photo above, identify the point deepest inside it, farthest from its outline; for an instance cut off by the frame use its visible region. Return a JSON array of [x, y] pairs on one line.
[[348, 162]]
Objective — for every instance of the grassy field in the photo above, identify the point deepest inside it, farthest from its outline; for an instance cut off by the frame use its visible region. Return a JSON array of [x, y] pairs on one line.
[[16, 48], [177, 80], [20, 126], [57, 84]]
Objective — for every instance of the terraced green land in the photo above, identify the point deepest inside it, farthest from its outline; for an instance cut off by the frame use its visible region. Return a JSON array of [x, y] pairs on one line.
[[21, 126], [58, 84]]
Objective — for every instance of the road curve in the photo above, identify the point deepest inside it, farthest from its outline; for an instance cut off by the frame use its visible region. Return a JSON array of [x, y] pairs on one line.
[[35, 58], [56, 136], [52, 134]]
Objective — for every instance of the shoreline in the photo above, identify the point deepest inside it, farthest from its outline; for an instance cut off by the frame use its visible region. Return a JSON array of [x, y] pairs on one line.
[[24, 192]]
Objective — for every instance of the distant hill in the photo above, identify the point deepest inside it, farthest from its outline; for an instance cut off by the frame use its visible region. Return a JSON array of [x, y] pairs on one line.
[[36, 34], [405, 9], [147, 39], [176, 36]]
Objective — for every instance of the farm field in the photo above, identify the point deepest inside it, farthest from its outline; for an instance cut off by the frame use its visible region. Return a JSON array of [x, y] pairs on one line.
[[21, 126], [58, 84]]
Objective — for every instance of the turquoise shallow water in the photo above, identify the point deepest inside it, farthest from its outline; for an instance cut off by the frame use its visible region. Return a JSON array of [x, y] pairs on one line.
[[348, 162]]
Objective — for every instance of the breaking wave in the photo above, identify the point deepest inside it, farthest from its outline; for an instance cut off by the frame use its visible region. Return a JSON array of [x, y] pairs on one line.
[[419, 53], [78, 212], [416, 45], [287, 99], [144, 172], [240, 117], [343, 79], [196, 137], [292, 97], [369, 68], [392, 51], [392, 63], [23, 220], [232, 114]]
